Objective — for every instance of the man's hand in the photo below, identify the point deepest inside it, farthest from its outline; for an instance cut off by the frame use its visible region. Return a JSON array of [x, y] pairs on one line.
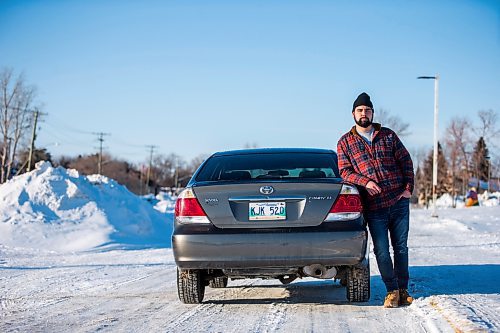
[[405, 194], [373, 188]]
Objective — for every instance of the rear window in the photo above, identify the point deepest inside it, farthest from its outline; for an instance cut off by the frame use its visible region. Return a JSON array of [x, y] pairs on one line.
[[269, 166]]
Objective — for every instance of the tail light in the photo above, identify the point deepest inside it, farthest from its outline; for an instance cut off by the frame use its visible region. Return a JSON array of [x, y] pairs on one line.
[[188, 208], [347, 206]]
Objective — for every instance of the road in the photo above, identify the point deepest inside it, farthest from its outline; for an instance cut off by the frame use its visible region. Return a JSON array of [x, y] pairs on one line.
[[453, 267], [135, 291]]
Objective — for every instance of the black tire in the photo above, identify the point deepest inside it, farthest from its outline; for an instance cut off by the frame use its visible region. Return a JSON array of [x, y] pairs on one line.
[[358, 284], [190, 286], [218, 282]]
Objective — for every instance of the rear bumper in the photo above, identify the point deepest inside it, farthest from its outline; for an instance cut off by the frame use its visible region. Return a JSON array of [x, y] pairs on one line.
[[271, 249]]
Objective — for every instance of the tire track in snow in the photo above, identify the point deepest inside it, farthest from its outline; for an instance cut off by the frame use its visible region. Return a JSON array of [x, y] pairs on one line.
[[79, 296], [273, 320], [184, 320]]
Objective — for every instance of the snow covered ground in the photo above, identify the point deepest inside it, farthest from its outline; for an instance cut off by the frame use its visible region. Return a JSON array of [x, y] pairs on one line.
[[53, 279]]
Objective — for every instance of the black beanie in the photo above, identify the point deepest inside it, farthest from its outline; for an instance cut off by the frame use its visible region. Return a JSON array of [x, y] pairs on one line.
[[363, 99]]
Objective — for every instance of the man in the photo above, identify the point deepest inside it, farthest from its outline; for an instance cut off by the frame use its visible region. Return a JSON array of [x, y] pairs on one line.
[[373, 157]]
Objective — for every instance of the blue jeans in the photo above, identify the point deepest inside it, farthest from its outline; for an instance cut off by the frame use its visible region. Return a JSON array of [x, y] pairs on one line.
[[394, 220]]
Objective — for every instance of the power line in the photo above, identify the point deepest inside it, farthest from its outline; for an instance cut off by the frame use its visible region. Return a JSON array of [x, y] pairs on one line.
[[62, 136], [62, 125], [121, 142]]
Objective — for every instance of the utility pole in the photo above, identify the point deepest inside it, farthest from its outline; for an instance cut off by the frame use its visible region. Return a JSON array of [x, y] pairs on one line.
[[100, 138], [33, 137], [148, 176], [176, 178]]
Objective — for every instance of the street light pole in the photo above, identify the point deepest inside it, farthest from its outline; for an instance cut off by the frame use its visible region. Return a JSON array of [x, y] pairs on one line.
[[435, 155]]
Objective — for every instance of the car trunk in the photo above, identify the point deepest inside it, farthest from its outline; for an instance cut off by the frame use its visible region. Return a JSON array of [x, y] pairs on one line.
[[291, 204]]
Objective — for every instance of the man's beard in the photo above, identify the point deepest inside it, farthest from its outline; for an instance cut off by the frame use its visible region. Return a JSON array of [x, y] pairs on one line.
[[363, 122]]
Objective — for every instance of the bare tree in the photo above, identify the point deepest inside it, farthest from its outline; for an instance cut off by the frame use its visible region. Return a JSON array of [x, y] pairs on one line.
[[393, 122], [196, 162], [165, 168], [418, 155], [459, 145], [455, 167], [16, 99], [21, 123], [488, 124]]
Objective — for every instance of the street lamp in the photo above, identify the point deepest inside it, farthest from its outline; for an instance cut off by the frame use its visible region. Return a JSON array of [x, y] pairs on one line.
[[435, 157]]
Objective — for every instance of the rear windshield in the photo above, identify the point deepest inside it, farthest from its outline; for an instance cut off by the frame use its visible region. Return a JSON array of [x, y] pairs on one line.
[[269, 166]]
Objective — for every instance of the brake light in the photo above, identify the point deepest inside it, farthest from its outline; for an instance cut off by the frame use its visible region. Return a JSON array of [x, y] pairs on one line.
[[188, 208], [347, 206]]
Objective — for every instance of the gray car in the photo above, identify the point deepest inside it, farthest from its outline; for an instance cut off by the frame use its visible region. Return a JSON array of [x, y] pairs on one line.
[[277, 213]]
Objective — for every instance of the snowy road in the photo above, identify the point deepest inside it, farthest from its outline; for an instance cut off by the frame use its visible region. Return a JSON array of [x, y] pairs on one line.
[[454, 268], [135, 290]]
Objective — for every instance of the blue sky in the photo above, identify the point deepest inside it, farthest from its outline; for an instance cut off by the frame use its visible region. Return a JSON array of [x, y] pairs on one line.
[[194, 77]]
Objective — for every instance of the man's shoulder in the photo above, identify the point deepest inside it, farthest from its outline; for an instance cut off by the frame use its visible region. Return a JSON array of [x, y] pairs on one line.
[[346, 136], [386, 131]]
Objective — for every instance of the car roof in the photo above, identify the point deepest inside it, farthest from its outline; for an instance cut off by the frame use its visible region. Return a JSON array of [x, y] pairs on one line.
[[272, 151]]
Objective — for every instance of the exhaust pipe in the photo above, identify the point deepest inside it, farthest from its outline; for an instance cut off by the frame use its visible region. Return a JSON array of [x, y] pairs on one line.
[[319, 271]]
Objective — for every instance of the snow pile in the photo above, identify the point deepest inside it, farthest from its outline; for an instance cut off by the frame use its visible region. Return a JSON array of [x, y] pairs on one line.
[[485, 199], [446, 200], [489, 199], [162, 202], [166, 202], [57, 209]]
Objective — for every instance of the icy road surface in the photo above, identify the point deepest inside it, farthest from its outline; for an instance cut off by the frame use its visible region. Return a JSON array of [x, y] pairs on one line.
[[454, 268]]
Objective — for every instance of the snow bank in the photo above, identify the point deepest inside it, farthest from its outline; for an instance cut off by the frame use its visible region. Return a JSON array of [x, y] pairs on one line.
[[166, 203], [485, 199], [58, 209], [162, 202]]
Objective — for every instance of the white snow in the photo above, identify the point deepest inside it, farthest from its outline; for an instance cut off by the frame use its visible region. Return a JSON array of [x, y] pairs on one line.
[[58, 209], [162, 202], [121, 275], [485, 199]]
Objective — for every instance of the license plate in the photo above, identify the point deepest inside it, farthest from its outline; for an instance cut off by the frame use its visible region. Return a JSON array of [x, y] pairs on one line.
[[266, 211]]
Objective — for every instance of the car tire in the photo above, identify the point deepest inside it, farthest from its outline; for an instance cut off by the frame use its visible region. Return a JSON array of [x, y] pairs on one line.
[[218, 282], [190, 286], [358, 284]]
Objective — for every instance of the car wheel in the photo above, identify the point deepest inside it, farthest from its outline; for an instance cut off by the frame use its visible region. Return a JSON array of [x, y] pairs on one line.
[[218, 282], [190, 286], [358, 284]]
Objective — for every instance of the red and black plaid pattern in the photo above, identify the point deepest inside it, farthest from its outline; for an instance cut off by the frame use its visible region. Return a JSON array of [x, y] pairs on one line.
[[386, 162]]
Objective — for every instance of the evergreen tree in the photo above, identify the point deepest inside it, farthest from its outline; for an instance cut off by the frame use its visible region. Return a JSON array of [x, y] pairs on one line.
[[479, 160], [38, 155], [443, 185]]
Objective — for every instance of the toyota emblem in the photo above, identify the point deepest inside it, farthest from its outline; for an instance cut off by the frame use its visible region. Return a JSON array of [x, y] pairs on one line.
[[266, 189]]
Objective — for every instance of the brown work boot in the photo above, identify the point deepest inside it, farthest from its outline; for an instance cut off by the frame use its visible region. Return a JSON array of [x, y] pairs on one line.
[[392, 299], [404, 297]]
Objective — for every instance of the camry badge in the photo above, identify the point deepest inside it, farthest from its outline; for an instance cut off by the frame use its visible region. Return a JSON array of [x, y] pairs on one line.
[[212, 201], [266, 189]]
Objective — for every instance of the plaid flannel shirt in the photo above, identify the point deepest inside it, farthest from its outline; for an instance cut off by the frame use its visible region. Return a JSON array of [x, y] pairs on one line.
[[386, 162]]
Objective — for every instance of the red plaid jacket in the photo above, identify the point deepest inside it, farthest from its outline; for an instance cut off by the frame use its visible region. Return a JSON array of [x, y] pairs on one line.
[[386, 161]]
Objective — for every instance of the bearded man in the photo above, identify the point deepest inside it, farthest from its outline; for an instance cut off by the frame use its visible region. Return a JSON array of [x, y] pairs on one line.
[[375, 159]]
